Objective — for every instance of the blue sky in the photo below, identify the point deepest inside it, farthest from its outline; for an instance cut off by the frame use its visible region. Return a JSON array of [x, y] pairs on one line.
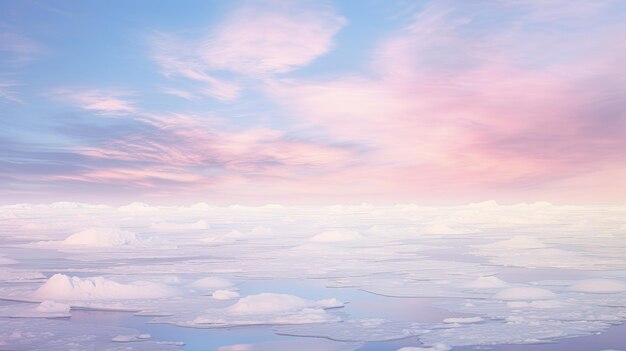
[[347, 101]]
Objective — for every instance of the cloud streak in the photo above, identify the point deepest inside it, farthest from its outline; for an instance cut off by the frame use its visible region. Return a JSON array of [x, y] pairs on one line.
[[441, 102]]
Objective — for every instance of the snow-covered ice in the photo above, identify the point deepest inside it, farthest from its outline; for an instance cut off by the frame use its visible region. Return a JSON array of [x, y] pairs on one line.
[[102, 237], [62, 287], [197, 266], [336, 235]]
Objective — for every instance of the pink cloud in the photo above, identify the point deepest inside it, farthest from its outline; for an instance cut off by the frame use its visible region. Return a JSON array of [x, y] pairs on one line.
[[271, 38], [255, 39], [180, 58], [105, 102], [447, 114], [22, 49]]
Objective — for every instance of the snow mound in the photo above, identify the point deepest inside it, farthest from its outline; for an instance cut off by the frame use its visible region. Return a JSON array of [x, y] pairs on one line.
[[599, 286], [330, 303], [267, 308], [211, 283], [486, 283], [224, 294], [337, 235], [102, 237], [269, 303], [525, 293], [64, 288], [53, 307]]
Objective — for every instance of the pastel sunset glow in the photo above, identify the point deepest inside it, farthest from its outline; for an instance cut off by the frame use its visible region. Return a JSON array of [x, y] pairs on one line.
[[429, 102]]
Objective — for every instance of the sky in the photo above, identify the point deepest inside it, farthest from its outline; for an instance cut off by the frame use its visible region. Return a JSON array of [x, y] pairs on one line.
[[254, 102]]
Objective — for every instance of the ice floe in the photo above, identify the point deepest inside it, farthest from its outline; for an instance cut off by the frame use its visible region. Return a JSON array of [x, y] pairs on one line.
[[525, 293], [599, 286], [175, 268], [102, 237], [266, 308], [63, 288], [61, 335], [224, 294]]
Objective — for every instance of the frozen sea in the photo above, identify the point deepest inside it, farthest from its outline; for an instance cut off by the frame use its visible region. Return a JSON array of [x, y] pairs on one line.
[[478, 277]]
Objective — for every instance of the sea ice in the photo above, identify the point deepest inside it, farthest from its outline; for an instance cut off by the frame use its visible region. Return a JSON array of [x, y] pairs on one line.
[[266, 308], [224, 294], [63, 288], [599, 286], [436, 347], [525, 293], [463, 320], [486, 283], [367, 329], [102, 237], [336, 235], [46, 309], [40, 334], [131, 338]]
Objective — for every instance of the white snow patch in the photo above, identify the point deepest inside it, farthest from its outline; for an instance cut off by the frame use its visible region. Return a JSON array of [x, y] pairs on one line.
[[267, 308], [330, 303], [524, 294], [53, 307], [102, 237], [599, 286], [336, 235], [224, 294], [62, 287], [269, 303]]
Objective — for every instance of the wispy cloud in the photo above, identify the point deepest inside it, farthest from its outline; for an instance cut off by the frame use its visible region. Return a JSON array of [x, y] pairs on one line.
[[271, 38], [183, 94], [7, 92], [103, 101], [254, 40], [21, 49], [179, 59], [451, 100]]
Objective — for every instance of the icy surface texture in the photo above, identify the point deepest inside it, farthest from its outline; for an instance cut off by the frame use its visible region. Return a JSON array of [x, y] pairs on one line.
[[524, 273]]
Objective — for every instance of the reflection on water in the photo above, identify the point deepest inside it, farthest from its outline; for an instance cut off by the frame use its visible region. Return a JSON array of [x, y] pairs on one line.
[[360, 305], [194, 338], [613, 338]]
